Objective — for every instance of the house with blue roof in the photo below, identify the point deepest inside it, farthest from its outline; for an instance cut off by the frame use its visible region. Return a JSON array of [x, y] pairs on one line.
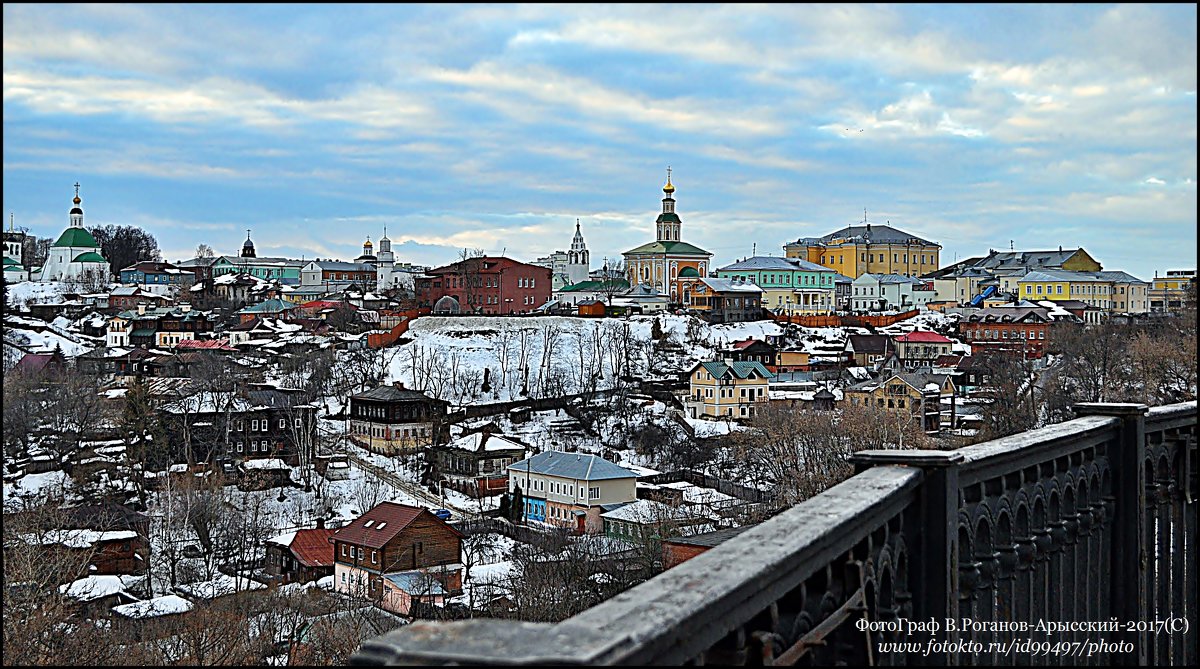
[[728, 389], [570, 489], [273, 307]]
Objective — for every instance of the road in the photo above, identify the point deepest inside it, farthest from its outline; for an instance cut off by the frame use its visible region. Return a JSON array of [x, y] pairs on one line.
[[410, 488]]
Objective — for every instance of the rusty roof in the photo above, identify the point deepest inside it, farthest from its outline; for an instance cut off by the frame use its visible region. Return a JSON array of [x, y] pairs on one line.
[[312, 547], [381, 524]]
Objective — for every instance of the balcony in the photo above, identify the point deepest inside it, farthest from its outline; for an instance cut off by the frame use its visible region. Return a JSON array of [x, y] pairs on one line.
[[1092, 520]]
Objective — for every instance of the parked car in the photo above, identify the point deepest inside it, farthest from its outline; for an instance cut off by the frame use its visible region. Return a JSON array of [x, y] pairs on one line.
[[444, 514]]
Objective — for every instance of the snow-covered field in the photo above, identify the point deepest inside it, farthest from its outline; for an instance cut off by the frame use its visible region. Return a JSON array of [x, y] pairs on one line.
[[35, 292]]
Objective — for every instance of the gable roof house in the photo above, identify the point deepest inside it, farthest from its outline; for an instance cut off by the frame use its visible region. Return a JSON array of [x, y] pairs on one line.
[[727, 388], [476, 464], [301, 556], [396, 555], [569, 489]]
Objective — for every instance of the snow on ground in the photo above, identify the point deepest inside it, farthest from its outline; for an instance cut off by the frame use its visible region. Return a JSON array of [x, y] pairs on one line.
[[37, 488], [713, 428], [44, 341], [35, 292], [446, 351]]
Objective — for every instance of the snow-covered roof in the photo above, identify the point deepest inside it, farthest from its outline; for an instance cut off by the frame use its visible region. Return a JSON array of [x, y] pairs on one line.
[[646, 511], [153, 608], [79, 538], [220, 586], [265, 463], [95, 587], [491, 442]]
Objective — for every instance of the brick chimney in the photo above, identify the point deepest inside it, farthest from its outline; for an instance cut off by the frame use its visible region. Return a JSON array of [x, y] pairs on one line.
[[320, 523], [398, 384], [141, 308]]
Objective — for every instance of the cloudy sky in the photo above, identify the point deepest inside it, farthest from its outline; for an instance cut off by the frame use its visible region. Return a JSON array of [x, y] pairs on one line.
[[495, 127]]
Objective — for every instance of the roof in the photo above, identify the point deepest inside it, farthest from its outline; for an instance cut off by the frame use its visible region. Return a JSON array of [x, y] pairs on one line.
[[709, 539], [646, 511], [312, 547], [89, 256], [485, 441], [416, 583], [875, 234], [76, 237], [152, 608], [775, 263], [382, 523], [34, 362], [739, 369], [674, 248], [271, 306], [868, 343], [580, 466], [222, 585], [730, 286], [98, 586], [688, 272], [592, 284], [919, 336], [1047, 259], [343, 266], [393, 394], [886, 278]]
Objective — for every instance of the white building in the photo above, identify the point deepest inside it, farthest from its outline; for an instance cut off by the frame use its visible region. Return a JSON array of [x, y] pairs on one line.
[[568, 489], [14, 255], [76, 254], [889, 292], [568, 268]]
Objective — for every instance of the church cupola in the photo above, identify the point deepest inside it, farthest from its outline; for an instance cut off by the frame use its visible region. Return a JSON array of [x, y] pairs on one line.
[[368, 247], [76, 211], [248, 247], [668, 221], [385, 244]]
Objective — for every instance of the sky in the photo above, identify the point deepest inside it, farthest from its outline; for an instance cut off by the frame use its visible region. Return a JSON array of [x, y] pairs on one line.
[[496, 127]]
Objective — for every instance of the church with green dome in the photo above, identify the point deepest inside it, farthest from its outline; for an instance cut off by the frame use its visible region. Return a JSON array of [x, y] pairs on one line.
[[75, 254]]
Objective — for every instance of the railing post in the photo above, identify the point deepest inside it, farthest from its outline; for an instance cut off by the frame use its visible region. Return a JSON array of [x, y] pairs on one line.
[[933, 563], [1130, 561]]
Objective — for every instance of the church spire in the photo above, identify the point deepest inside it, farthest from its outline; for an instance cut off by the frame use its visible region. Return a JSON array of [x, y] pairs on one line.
[[76, 211], [668, 221]]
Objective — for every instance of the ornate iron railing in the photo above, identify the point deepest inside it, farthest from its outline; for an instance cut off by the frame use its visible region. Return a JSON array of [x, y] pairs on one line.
[[1071, 544]]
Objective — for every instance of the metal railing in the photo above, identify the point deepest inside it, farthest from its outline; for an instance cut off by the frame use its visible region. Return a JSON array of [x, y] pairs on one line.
[[1014, 541]]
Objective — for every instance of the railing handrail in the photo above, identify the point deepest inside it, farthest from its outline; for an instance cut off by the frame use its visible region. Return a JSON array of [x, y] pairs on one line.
[[679, 613], [682, 614]]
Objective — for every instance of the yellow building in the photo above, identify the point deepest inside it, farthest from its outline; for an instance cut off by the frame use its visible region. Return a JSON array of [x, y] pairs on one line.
[[1112, 291], [1167, 293], [728, 389], [858, 249]]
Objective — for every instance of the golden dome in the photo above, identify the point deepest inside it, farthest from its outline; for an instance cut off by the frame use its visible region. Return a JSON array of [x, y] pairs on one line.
[[668, 188], [77, 200], [368, 243]]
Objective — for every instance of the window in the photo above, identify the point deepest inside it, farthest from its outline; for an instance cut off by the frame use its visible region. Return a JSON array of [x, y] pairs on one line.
[[593, 493], [1059, 291], [343, 555], [239, 447], [282, 423], [254, 425], [374, 556], [299, 422]]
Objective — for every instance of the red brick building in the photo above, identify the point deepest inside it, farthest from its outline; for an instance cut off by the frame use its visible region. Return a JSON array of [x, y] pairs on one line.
[[488, 285], [1019, 329], [681, 549]]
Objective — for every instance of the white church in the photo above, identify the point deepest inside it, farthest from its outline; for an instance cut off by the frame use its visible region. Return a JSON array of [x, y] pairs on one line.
[[568, 268], [76, 253]]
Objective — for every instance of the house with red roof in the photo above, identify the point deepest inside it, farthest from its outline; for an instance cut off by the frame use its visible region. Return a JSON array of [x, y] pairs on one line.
[[918, 348], [301, 556], [396, 555]]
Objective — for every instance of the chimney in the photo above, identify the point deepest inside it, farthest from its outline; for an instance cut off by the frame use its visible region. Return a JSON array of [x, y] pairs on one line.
[[141, 308], [398, 384], [185, 307], [1060, 248], [320, 523]]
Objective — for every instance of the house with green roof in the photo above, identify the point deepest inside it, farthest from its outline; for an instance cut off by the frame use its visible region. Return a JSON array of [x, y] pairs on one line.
[[727, 389], [789, 285], [668, 264], [589, 290], [75, 254], [273, 307]]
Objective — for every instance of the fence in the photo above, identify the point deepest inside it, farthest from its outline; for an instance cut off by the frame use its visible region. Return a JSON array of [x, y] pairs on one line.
[[836, 320], [1088, 521]]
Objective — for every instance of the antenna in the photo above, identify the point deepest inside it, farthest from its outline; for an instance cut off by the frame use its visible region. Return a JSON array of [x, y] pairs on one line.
[[753, 249], [1010, 245]]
